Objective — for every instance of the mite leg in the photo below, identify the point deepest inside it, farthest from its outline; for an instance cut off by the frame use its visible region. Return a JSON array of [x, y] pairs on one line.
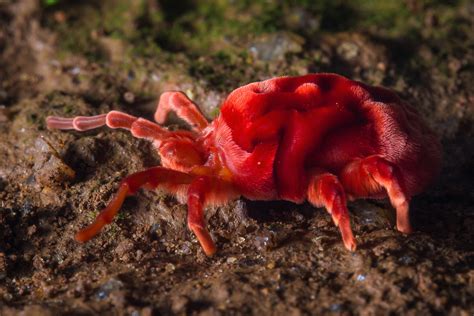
[[150, 178], [139, 127], [373, 174], [326, 190], [113, 119], [196, 203], [185, 108]]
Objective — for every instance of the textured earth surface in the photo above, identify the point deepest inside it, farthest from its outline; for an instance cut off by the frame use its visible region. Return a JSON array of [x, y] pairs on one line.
[[83, 58]]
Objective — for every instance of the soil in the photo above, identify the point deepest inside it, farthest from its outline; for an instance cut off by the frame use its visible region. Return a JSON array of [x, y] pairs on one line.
[[83, 58]]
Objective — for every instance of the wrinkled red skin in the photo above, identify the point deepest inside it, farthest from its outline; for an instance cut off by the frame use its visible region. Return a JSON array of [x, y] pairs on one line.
[[317, 137], [292, 125]]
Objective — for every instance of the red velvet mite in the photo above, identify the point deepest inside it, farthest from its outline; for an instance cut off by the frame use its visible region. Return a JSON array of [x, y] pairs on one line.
[[320, 137]]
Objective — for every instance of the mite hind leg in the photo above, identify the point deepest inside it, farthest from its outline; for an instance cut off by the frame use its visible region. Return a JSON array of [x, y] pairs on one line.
[[371, 176], [326, 190]]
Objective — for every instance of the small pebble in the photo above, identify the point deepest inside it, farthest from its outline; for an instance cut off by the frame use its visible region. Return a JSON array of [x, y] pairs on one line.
[[335, 307], [75, 71], [26, 208], [406, 260], [185, 248], [31, 230], [267, 239], [129, 97], [262, 242], [108, 287], [156, 230], [170, 267], [275, 46], [348, 51], [49, 169], [271, 265], [231, 260], [123, 249]]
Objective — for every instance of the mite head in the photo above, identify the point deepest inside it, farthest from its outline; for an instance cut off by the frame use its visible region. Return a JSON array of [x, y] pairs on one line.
[[181, 153]]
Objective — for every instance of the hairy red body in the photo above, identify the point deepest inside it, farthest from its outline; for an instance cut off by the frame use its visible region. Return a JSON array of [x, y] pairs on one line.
[[316, 137], [321, 121]]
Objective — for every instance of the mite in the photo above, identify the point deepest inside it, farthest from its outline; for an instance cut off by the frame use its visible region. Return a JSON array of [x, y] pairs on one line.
[[319, 137]]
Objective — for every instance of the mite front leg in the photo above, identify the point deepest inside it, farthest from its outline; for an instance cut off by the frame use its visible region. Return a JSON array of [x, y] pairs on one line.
[[113, 119], [370, 175], [196, 203], [139, 127], [325, 190], [185, 108], [150, 179]]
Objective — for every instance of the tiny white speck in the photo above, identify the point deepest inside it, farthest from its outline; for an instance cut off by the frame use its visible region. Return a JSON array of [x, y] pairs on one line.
[[360, 277], [75, 71]]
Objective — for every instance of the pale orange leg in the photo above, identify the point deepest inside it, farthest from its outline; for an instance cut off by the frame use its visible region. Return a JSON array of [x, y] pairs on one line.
[[185, 108], [150, 178], [196, 203], [139, 127], [113, 119], [325, 190]]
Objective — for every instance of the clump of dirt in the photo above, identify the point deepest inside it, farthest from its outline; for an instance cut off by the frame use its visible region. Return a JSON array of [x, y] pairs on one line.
[[68, 58]]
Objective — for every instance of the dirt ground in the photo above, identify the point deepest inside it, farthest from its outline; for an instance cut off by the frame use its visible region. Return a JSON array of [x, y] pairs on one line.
[[60, 57]]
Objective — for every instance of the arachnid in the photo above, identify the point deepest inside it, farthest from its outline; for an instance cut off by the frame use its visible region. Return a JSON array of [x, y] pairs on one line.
[[320, 137]]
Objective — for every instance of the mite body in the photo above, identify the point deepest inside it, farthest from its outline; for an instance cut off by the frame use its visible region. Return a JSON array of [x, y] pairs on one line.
[[320, 137]]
